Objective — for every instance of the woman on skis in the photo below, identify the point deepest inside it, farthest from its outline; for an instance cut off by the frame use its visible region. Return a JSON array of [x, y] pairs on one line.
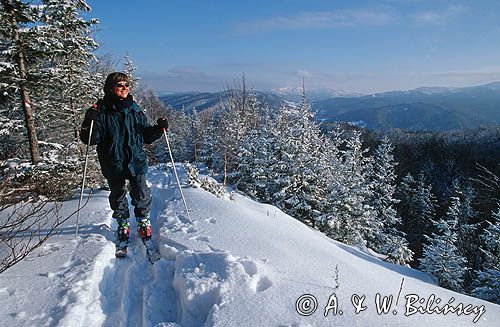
[[120, 131]]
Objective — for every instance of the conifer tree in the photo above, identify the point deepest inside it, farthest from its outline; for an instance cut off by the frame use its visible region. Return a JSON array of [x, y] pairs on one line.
[[468, 237], [257, 158], [351, 217], [65, 83], [181, 135], [297, 185], [197, 133], [487, 285], [17, 38], [441, 257], [154, 108], [417, 211], [384, 235], [130, 69], [207, 152], [234, 123], [52, 65]]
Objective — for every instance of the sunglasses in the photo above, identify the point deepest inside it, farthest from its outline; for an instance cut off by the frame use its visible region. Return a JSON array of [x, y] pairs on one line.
[[122, 85]]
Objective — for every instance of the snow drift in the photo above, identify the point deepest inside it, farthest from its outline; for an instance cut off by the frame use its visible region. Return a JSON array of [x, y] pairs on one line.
[[236, 263]]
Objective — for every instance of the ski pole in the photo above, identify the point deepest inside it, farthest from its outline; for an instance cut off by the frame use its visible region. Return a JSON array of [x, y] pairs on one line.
[[175, 173], [84, 176]]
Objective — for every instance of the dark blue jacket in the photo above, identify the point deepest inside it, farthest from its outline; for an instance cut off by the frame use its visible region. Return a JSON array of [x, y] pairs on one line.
[[120, 132]]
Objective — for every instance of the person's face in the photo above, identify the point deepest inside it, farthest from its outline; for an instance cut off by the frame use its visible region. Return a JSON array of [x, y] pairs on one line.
[[121, 89]]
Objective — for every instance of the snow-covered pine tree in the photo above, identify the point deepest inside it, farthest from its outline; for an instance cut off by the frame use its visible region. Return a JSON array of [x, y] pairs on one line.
[[251, 167], [351, 216], [300, 187], [417, 210], [384, 236], [279, 170], [255, 109], [468, 236], [234, 123], [441, 257], [181, 136], [487, 284], [11, 127], [332, 172], [271, 180], [18, 38], [65, 84], [154, 108], [256, 158], [207, 153], [196, 133], [130, 69]]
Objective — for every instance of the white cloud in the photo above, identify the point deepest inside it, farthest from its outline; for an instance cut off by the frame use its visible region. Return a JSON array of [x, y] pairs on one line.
[[189, 72], [438, 17], [304, 73], [320, 20]]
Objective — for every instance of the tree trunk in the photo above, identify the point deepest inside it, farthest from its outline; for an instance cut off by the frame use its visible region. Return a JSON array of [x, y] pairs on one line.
[[196, 149], [28, 113], [225, 167], [30, 125]]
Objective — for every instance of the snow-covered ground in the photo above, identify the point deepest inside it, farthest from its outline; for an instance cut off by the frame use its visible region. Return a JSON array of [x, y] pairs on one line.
[[235, 263]]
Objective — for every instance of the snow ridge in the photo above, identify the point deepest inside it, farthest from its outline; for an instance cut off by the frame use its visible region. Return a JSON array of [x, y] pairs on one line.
[[204, 279]]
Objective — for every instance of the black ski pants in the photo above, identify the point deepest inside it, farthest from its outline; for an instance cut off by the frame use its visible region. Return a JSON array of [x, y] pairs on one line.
[[139, 193]]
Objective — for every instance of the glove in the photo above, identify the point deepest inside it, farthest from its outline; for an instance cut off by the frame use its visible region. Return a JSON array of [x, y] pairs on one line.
[[162, 122], [91, 114]]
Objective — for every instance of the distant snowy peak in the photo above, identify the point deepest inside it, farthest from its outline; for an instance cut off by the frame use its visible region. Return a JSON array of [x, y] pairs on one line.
[[293, 93], [434, 90]]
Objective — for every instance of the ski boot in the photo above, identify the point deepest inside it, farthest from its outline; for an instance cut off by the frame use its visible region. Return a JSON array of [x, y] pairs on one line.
[[144, 228], [123, 235], [123, 231]]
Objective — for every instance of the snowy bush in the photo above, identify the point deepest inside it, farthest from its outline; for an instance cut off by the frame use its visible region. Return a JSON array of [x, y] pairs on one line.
[[22, 180], [207, 183], [193, 175]]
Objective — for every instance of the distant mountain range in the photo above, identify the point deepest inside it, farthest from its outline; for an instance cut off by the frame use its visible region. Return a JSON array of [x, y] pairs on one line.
[[425, 108], [211, 101], [294, 94], [435, 109]]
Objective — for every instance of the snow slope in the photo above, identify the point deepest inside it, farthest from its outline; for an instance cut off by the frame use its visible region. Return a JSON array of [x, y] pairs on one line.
[[236, 263]]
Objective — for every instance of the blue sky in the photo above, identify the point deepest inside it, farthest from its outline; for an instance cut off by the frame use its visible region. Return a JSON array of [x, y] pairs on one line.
[[365, 46]]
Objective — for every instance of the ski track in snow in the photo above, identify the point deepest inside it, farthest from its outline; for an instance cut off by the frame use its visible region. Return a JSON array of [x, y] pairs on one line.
[[134, 292], [131, 288], [183, 288]]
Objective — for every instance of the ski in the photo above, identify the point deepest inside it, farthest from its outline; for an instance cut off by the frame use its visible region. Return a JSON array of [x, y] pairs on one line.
[[121, 249], [151, 251]]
